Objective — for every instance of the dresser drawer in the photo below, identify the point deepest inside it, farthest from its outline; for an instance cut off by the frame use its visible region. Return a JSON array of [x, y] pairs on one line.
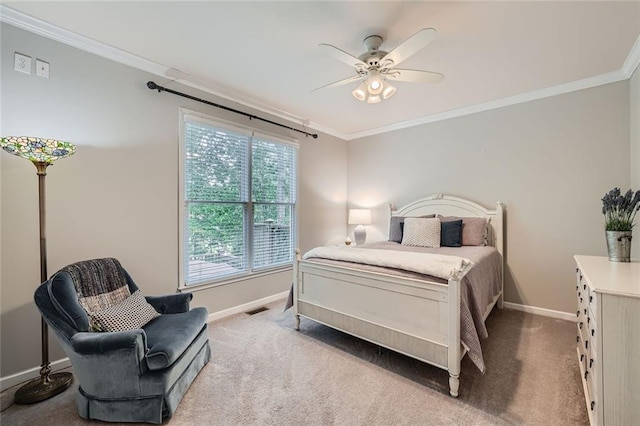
[[592, 396], [592, 301]]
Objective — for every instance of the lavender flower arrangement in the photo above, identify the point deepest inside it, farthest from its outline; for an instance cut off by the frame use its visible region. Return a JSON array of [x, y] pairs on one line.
[[620, 210]]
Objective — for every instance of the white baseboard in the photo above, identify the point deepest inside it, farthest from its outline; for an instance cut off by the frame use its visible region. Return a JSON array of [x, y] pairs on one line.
[[247, 306], [541, 311], [32, 373]]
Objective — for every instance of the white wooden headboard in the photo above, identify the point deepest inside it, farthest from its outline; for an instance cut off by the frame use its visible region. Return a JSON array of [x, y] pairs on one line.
[[448, 205]]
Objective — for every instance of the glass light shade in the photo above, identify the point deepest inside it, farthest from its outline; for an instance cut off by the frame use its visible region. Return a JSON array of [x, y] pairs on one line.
[[359, 216], [388, 91], [374, 82], [361, 92], [373, 99], [37, 150]]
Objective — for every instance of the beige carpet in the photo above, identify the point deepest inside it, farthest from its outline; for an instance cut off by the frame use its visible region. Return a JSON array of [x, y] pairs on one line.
[[263, 372]]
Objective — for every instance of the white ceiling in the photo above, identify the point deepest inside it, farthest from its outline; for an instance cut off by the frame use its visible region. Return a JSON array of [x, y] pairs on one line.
[[265, 54]]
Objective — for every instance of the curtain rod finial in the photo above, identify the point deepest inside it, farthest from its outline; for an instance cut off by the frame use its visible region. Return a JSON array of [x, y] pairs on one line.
[[151, 85]]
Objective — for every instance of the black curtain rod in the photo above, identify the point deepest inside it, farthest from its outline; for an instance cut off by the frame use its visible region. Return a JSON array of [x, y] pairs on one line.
[[153, 86]]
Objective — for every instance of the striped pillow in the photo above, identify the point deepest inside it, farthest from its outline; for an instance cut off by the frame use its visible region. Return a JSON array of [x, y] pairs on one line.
[[131, 313]]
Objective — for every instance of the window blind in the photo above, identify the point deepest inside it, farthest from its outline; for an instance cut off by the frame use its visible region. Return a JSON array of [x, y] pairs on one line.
[[239, 201], [273, 192]]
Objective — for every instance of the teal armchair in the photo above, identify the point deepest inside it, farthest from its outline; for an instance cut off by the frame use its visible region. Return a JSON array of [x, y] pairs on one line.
[[137, 375]]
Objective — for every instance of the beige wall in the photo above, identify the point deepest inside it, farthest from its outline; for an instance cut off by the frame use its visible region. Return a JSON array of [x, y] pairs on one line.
[[118, 195], [550, 161], [634, 114]]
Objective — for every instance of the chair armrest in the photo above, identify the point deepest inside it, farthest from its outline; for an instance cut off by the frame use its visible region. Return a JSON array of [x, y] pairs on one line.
[[110, 365], [170, 303], [103, 343]]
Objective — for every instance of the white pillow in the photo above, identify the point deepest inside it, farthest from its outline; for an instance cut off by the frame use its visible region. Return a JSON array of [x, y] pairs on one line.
[[421, 232], [133, 312]]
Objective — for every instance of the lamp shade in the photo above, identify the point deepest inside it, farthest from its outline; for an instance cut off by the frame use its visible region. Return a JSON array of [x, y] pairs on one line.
[[359, 216], [37, 150]]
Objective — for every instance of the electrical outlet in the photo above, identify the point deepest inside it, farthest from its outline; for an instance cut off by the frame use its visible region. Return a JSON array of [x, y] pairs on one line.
[[22, 63], [42, 68]]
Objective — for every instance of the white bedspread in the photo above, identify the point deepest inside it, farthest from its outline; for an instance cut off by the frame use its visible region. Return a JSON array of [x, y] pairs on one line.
[[437, 265]]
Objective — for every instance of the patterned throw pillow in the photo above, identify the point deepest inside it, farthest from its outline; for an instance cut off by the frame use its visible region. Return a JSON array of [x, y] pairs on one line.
[[421, 232], [396, 225], [131, 313]]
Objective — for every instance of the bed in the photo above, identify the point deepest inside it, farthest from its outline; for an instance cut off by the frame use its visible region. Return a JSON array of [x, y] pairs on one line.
[[424, 317]]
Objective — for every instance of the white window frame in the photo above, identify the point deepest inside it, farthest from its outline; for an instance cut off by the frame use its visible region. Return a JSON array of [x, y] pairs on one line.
[[194, 116]]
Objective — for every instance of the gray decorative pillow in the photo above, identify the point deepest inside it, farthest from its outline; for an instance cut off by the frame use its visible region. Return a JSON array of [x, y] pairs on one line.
[[131, 313], [474, 229], [421, 232], [395, 230]]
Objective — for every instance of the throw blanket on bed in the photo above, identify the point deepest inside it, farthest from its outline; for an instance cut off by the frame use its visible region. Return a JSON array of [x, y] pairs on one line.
[[436, 265]]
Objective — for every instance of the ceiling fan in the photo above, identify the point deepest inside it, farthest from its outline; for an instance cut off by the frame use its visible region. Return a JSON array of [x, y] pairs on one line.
[[376, 68]]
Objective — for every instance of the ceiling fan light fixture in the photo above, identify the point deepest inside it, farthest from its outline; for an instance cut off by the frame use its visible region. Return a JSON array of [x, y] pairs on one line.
[[360, 93], [373, 99], [388, 91], [374, 82]]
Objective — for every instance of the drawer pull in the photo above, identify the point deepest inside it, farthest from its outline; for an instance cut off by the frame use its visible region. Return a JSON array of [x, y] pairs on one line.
[[582, 357], [588, 320], [577, 269], [584, 286], [593, 332], [586, 373], [590, 362], [577, 339], [581, 300], [590, 299], [580, 325], [577, 313], [593, 404], [585, 311], [586, 344]]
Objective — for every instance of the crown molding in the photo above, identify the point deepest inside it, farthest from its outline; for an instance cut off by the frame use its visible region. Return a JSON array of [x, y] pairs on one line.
[[45, 29]]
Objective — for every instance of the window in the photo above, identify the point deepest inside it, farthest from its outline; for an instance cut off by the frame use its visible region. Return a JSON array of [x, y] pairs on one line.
[[239, 199]]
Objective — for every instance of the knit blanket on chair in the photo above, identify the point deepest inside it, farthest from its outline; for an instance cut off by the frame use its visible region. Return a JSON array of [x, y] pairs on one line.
[[99, 283]]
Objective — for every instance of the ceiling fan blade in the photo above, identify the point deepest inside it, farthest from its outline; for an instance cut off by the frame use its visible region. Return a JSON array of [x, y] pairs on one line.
[[342, 56], [413, 76], [340, 82], [409, 46]]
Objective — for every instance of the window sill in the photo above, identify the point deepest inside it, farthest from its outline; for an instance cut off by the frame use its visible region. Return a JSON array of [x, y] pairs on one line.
[[226, 281]]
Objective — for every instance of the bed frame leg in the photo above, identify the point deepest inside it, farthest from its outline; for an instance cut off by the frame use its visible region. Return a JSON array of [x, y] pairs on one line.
[[296, 319], [454, 384]]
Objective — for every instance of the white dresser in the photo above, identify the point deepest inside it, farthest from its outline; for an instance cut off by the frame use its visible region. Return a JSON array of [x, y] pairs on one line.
[[608, 339]]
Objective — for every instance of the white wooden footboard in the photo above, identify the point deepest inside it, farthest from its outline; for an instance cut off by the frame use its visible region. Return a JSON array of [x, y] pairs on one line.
[[408, 316]]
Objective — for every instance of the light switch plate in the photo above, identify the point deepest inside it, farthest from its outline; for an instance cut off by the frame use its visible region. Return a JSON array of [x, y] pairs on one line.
[[42, 68], [22, 63]]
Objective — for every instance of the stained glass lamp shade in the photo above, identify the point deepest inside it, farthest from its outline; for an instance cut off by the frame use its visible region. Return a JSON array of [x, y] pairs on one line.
[[42, 153], [37, 150]]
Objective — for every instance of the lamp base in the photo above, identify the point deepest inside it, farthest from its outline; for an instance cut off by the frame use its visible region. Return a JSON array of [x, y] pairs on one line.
[[360, 235], [43, 387]]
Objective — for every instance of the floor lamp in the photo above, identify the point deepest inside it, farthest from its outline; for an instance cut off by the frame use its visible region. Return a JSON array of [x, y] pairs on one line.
[[42, 153]]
